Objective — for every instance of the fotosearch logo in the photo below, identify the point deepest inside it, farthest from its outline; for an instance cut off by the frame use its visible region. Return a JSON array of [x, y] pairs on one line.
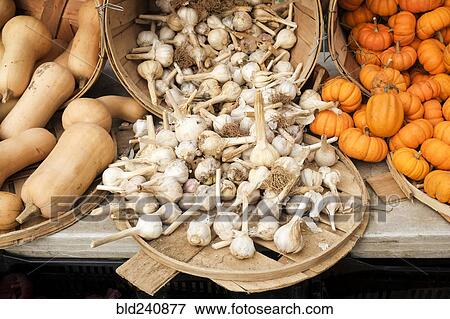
[[123, 209]]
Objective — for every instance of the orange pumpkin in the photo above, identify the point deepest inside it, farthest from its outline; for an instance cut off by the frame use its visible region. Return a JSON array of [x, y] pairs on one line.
[[364, 56], [383, 8], [437, 153], [384, 114], [442, 132], [418, 76], [350, 4], [446, 58], [412, 106], [343, 91], [407, 78], [368, 73], [388, 80], [374, 36], [403, 25], [437, 185], [359, 145], [431, 56], [412, 135], [359, 117], [415, 44], [353, 36], [444, 83], [360, 15], [431, 22], [330, 124], [444, 35], [446, 110], [433, 111], [410, 163], [425, 90], [419, 6], [402, 58]]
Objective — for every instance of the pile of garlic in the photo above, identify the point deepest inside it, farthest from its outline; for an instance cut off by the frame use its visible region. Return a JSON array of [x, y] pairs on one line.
[[260, 183], [214, 61]]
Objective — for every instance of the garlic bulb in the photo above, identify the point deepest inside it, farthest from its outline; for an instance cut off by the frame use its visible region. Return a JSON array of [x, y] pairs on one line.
[[242, 21], [246, 124], [311, 178], [332, 205], [189, 19], [326, 154], [242, 246], [189, 128], [146, 38], [166, 190], [164, 5], [151, 71], [208, 89], [330, 178], [166, 33], [178, 40], [265, 229], [114, 176], [237, 173], [204, 196], [199, 231], [270, 135], [239, 59], [218, 39], [236, 75], [161, 156], [249, 70], [220, 72], [227, 190], [281, 145], [214, 22], [225, 223], [178, 170], [187, 151], [317, 203], [289, 164], [191, 186], [256, 56], [202, 28], [230, 93], [169, 213], [205, 172], [288, 238], [283, 67], [211, 144], [140, 128], [298, 205], [188, 88]]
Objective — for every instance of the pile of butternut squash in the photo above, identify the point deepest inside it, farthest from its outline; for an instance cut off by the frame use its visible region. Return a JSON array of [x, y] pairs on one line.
[[37, 76], [403, 47]]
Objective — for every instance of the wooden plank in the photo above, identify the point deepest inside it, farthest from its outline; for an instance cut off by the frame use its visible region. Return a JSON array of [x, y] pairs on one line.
[[51, 15], [386, 188], [145, 273]]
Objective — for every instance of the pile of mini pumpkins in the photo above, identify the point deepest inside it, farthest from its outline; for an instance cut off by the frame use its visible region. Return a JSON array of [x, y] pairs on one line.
[[403, 47]]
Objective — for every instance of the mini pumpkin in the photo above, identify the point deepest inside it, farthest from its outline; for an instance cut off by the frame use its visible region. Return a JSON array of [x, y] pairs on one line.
[[446, 110], [444, 35], [415, 44], [431, 56], [412, 106], [399, 58], [407, 78], [437, 185], [425, 90], [364, 56], [353, 36], [359, 145], [359, 118], [419, 6], [412, 135], [330, 124], [437, 153], [343, 91], [410, 163], [388, 80], [444, 83], [446, 58], [384, 114], [418, 76], [368, 73], [433, 111], [383, 8], [374, 36], [403, 25], [431, 22], [361, 15], [442, 132], [350, 5]]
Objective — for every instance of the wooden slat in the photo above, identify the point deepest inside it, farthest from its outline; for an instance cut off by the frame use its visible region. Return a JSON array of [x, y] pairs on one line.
[[51, 15], [386, 188]]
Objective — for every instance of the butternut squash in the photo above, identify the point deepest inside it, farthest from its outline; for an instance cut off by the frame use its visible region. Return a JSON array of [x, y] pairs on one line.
[[124, 108], [27, 148], [10, 208], [50, 87], [5, 108], [87, 111], [26, 40], [2, 47], [59, 46], [7, 11], [63, 58], [84, 53], [83, 151]]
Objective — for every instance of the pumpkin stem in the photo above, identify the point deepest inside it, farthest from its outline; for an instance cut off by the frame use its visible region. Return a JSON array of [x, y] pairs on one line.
[[366, 131], [376, 24], [388, 64], [419, 154], [27, 212], [440, 36], [397, 47]]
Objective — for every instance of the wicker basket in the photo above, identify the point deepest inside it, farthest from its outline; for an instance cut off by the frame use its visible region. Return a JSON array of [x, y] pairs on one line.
[[343, 58], [61, 17], [121, 33]]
